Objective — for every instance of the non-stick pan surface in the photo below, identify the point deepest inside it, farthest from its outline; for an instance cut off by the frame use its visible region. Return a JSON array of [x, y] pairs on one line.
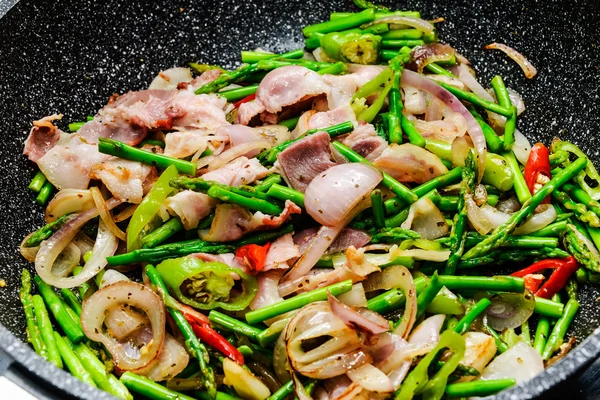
[[69, 56]]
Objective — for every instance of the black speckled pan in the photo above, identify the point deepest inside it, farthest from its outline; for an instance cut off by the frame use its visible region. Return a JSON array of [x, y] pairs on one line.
[[68, 57]]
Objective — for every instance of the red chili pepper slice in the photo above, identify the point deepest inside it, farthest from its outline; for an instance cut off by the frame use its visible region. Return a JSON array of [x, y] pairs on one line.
[[247, 99], [538, 164], [563, 269], [253, 256], [202, 329]]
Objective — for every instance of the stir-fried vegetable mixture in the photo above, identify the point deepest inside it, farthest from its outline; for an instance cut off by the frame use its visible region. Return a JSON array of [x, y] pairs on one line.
[[360, 218]]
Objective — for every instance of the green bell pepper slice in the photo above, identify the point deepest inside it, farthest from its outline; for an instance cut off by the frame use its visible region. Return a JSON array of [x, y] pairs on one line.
[[352, 46], [207, 285], [149, 207], [588, 179]]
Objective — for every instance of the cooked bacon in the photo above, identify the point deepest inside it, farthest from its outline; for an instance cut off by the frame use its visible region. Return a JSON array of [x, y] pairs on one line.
[[288, 85], [190, 207], [305, 159], [281, 251], [123, 178], [324, 119], [410, 163], [171, 78], [201, 111], [42, 137], [362, 74], [241, 171], [68, 164], [206, 77], [231, 222], [347, 237], [247, 111], [365, 141], [184, 143]]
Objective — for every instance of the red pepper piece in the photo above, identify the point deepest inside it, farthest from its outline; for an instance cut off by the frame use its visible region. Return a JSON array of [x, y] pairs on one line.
[[563, 269], [253, 256], [538, 164], [201, 326], [559, 278], [247, 99]]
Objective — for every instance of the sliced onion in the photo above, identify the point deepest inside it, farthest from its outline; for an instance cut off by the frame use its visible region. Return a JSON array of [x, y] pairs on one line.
[[94, 311], [172, 360], [521, 362], [370, 378], [460, 151], [121, 323], [68, 201], [538, 221], [426, 219], [112, 276], [466, 77], [106, 244], [423, 55], [417, 23], [420, 82], [521, 147], [29, 253], [299, 389], [477, 217], [509, 206], [337, 355], [126, 213], [428, 331], [350, 182], [517, 57], [245, 384], [510, 310], [105, 214], [67, 260], [397, 277], [495, 216], [268, 292], [83, 242], [281, 365], [365, 320], [480, 349], [480, 196], [355, 297]]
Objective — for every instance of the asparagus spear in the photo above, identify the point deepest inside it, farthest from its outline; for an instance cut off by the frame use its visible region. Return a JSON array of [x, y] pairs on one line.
[[38, 181], [192, 342], [396, 44], [560, 328], [494, 143], [239, 93], [71, 300], [255, 56], [269, 181], [504, 100], [71, 361], [393, 235], [122, 150], [378, 209], [580, 250], [459, 232], [463, 325], [233, 324], [226, 78], [395, 204], [348, 22], [174, 250], [428, 294], [580, 211], [37, 237], [44, 194], [56, 306], [512, 255], [34, 335], [270, 156], [496, 283], [500, 235], [162, 233], [254, 204], [581, 196], [285, 193], [478, 388], [476, 100], [150, 389], [45, 326], [296, 302], [284, 391]]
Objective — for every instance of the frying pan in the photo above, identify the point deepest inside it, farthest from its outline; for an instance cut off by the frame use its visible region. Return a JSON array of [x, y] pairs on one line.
[[69, 56]]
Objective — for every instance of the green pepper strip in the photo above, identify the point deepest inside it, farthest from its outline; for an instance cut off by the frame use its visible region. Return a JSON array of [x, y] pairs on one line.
[[296, 302], [149, 207], [418, 382], [211, 280]]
